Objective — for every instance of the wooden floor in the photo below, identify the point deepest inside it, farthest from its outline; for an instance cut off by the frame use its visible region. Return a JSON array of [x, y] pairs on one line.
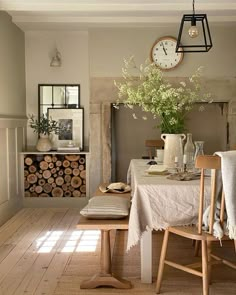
[[42, 252]]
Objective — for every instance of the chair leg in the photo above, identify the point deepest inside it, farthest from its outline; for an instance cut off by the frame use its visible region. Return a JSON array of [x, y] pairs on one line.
[[196, 248], [205, 282], [162, 261], [209, 249], [235, 246]]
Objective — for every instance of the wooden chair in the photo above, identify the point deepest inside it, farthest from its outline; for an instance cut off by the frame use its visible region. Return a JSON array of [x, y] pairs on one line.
[[152, 145], [196, 233]]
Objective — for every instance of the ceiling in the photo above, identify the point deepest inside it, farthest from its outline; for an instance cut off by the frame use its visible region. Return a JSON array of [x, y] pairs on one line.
[[80, 14]]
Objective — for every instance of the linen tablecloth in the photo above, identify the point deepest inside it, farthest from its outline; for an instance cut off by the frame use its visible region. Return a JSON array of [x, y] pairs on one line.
[[158, 202]]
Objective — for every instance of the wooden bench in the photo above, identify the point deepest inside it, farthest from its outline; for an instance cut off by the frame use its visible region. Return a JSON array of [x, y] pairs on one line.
[[105, 276]]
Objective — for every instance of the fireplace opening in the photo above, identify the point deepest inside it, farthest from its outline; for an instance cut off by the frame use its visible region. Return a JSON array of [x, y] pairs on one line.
[[128, 135]]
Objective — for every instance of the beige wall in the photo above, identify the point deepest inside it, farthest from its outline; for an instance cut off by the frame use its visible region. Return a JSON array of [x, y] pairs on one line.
[[39, 49], [92, 58], [12, 68], [12, 115], [108, 47]]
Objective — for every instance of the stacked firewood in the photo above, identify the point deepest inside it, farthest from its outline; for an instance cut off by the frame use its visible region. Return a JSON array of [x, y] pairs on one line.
[[55, 176]]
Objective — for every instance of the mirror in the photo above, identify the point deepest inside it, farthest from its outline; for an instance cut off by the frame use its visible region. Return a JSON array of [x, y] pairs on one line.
[[58, 96]]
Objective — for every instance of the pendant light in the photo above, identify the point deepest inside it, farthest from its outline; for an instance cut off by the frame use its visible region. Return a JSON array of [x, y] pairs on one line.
[[194, 33]]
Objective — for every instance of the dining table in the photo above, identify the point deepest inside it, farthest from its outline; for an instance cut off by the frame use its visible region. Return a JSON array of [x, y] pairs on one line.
[[158, 202]]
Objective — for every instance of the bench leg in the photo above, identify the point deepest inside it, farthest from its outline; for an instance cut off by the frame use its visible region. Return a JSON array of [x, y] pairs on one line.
[[105, 277]]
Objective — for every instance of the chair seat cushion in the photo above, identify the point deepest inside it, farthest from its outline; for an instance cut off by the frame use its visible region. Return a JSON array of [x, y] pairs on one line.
[[106, 207]]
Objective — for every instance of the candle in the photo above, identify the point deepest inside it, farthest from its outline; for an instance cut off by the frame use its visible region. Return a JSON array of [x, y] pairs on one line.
[[185, 159], [176, 159]]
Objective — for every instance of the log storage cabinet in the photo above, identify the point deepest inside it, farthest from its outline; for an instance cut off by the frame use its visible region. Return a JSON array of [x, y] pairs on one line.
[[55, 175]]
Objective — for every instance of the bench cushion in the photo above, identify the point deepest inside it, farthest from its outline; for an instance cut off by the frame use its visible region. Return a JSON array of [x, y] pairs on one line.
[[106, 207]]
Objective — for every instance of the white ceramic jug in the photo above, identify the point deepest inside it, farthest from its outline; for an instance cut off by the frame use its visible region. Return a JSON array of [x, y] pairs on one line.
[[173, 149]]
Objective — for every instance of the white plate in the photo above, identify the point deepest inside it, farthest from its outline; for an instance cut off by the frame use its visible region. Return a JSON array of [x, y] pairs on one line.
[[156, 169]]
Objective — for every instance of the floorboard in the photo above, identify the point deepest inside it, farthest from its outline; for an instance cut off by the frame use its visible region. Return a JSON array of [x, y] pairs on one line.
[[42, 253]]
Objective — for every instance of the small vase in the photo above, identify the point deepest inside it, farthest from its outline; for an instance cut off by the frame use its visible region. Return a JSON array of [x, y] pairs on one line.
[[173, 151], [199, 151], [189, 151], [44, 144]]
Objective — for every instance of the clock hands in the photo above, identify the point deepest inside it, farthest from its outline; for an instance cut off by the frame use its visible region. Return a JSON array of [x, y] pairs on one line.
[[164, 48]]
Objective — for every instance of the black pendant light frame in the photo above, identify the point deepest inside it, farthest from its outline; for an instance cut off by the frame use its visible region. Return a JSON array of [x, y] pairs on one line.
[[193, 19]]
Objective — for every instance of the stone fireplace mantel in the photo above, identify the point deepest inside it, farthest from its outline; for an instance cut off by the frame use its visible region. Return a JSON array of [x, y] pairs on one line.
[[104, 93]]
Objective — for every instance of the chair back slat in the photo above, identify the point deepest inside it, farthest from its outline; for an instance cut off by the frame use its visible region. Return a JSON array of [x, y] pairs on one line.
[[222, 208], [201, 202], [213, 163], [208, 162], [213, 200], [151, 144]]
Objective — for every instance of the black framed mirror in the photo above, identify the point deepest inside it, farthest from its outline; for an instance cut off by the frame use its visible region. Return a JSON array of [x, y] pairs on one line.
[[58, 96]]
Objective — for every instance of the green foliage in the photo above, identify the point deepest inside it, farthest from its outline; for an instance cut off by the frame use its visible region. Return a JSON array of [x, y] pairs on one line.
[[44, 125], [145, 86]]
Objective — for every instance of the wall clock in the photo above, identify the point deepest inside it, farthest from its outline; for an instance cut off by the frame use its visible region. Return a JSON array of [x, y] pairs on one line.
[[163, 53]]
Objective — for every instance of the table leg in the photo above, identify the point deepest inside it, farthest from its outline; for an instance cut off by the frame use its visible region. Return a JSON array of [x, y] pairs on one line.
[[105, 277], [146, 257]]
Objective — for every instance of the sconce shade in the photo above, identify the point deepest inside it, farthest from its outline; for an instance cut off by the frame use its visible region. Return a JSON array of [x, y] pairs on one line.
[[202, 43], [56, 60]]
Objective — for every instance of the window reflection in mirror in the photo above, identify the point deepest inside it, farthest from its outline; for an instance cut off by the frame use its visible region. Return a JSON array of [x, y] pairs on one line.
[[46, 94], [58, 96], [71, 95]]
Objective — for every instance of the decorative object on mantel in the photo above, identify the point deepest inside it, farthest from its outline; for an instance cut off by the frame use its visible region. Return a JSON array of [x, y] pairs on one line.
[[69, 147], [146, 87], [43, 127], [199, 33], [58, 96], [71, 123], [44, 143]]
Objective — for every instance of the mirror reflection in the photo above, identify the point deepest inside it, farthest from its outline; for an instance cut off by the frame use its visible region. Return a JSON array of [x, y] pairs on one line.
[[58, 96]]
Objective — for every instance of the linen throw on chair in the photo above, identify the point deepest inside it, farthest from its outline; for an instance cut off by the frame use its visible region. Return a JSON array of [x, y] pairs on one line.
[[228, 171]]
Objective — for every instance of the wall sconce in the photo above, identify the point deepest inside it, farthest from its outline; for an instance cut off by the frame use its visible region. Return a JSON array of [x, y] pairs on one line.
[[56, 59], [197, 29]]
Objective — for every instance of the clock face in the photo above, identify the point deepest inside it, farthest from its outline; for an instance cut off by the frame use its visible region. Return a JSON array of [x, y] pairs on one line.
[[163, 53]]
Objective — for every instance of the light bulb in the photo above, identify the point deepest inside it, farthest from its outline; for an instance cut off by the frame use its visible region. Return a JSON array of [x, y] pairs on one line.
[[193, 32]]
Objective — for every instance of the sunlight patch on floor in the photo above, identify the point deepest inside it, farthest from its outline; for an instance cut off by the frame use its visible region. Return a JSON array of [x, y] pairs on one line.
[[46, 243], [88, 241], [79, 241]]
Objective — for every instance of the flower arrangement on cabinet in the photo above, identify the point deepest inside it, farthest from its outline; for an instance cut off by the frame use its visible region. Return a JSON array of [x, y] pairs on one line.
[[146, 87]]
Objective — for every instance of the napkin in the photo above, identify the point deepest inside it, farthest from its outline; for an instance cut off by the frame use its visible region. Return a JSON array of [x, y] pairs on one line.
[[157, 169]]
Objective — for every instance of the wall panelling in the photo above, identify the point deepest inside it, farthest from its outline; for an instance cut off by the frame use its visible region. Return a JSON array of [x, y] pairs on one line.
[[12, 142]]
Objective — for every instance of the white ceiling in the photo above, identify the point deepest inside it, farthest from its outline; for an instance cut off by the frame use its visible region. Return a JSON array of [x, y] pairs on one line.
[[76, 14]]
